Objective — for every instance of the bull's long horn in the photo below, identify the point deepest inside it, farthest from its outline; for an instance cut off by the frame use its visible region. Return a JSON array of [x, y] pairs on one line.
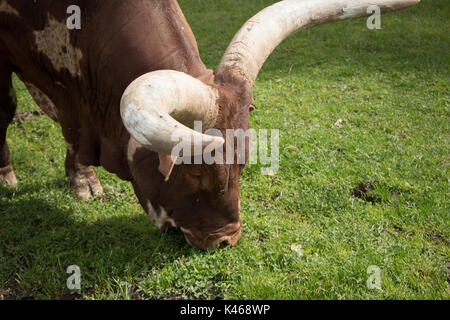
[[158, 108], [256, 40]]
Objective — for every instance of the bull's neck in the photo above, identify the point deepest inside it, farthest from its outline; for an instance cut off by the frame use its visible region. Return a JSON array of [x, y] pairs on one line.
[[114, 75], [156, 37]]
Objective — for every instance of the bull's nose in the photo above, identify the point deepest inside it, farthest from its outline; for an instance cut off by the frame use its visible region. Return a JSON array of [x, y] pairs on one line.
[[232, 240], [224, 243], [211, 245]]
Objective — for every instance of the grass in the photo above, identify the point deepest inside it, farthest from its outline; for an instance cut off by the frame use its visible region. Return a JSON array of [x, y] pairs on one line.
[[373, 191]]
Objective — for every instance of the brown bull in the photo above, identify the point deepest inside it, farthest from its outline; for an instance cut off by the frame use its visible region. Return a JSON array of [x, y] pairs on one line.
[[132, 76]]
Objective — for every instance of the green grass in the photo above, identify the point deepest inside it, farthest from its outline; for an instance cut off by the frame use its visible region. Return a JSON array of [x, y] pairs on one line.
[[374, 191]]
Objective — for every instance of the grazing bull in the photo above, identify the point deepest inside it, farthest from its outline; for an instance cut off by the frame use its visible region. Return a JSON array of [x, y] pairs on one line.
[[132, 76]]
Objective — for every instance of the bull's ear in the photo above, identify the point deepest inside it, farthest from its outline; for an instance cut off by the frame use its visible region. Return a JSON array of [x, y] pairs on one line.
[[166, 164]]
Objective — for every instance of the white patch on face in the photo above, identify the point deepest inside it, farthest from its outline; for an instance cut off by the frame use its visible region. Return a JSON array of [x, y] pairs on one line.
[[159, 219], [185, 230], [163, 218], [5, 7], [54, 42], [43, 101]]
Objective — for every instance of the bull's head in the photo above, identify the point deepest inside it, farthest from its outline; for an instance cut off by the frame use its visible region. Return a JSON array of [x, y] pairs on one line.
[[161, 107]]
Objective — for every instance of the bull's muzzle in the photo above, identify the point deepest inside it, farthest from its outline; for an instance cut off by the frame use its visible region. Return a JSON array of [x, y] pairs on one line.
[[215, 240]]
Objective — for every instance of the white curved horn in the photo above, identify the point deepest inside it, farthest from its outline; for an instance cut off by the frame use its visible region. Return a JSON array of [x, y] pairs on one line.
[[256, 40], [160, 105]]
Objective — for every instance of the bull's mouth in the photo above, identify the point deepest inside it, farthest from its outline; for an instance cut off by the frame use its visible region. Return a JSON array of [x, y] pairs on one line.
[[214, 240], [225, 236]]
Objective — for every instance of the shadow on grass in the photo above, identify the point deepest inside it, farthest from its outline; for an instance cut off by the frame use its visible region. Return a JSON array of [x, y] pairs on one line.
[[40, 239]]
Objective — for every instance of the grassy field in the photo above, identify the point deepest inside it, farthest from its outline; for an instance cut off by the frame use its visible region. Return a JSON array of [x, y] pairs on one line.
[[373, 190]]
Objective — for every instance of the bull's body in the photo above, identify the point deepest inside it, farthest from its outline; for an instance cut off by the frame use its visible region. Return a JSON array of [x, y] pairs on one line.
[[130, 77]]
